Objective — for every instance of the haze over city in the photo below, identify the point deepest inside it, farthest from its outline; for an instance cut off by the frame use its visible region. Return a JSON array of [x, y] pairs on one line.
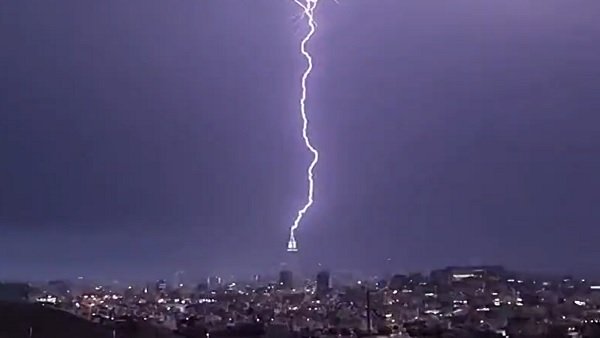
[[139, 138]]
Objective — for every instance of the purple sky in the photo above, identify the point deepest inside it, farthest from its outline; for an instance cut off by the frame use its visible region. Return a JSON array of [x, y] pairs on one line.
[[142, 137]]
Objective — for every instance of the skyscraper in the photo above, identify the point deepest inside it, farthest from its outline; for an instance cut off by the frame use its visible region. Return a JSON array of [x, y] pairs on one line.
[[286, 280], [161, 286], [214, 282], [292, 262], [323, 283]]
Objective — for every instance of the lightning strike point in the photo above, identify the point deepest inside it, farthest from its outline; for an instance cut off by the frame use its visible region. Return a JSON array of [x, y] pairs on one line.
[[292, 246]]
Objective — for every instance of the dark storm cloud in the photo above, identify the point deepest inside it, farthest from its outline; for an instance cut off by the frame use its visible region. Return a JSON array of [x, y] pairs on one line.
[[455, 132]]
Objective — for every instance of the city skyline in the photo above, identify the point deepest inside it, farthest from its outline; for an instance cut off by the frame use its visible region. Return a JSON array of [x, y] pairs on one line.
[[144, 137]]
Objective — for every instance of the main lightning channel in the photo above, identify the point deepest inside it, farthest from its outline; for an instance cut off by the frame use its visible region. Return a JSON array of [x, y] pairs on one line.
[[308, 6]]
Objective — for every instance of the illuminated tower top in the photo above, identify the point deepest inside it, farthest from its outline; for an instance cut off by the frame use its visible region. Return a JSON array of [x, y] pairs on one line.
[[292, 245]]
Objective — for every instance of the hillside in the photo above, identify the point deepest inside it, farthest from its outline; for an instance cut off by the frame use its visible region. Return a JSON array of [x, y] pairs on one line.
[[46, 322]]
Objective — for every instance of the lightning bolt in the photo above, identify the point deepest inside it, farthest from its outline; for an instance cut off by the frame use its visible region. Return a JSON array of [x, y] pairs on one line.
[[308, 6]]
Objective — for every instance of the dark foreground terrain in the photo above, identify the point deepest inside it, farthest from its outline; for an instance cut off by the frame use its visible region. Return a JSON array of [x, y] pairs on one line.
[[16, 319]]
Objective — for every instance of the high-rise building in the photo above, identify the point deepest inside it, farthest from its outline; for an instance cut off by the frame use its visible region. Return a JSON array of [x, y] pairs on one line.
[[293, 263], [286, 280], [323, 283], [214, 282], [398, 282], [178, 279], [161, 286], [201, 287]]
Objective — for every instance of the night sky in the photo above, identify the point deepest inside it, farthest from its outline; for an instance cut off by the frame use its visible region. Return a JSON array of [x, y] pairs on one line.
[[142, 137]]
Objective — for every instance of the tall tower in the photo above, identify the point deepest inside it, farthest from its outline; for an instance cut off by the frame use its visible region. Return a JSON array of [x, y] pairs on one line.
[[292, 246], [291, 261]]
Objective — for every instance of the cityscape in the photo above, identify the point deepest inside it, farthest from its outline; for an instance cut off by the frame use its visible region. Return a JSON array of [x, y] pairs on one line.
[[469, 301]]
